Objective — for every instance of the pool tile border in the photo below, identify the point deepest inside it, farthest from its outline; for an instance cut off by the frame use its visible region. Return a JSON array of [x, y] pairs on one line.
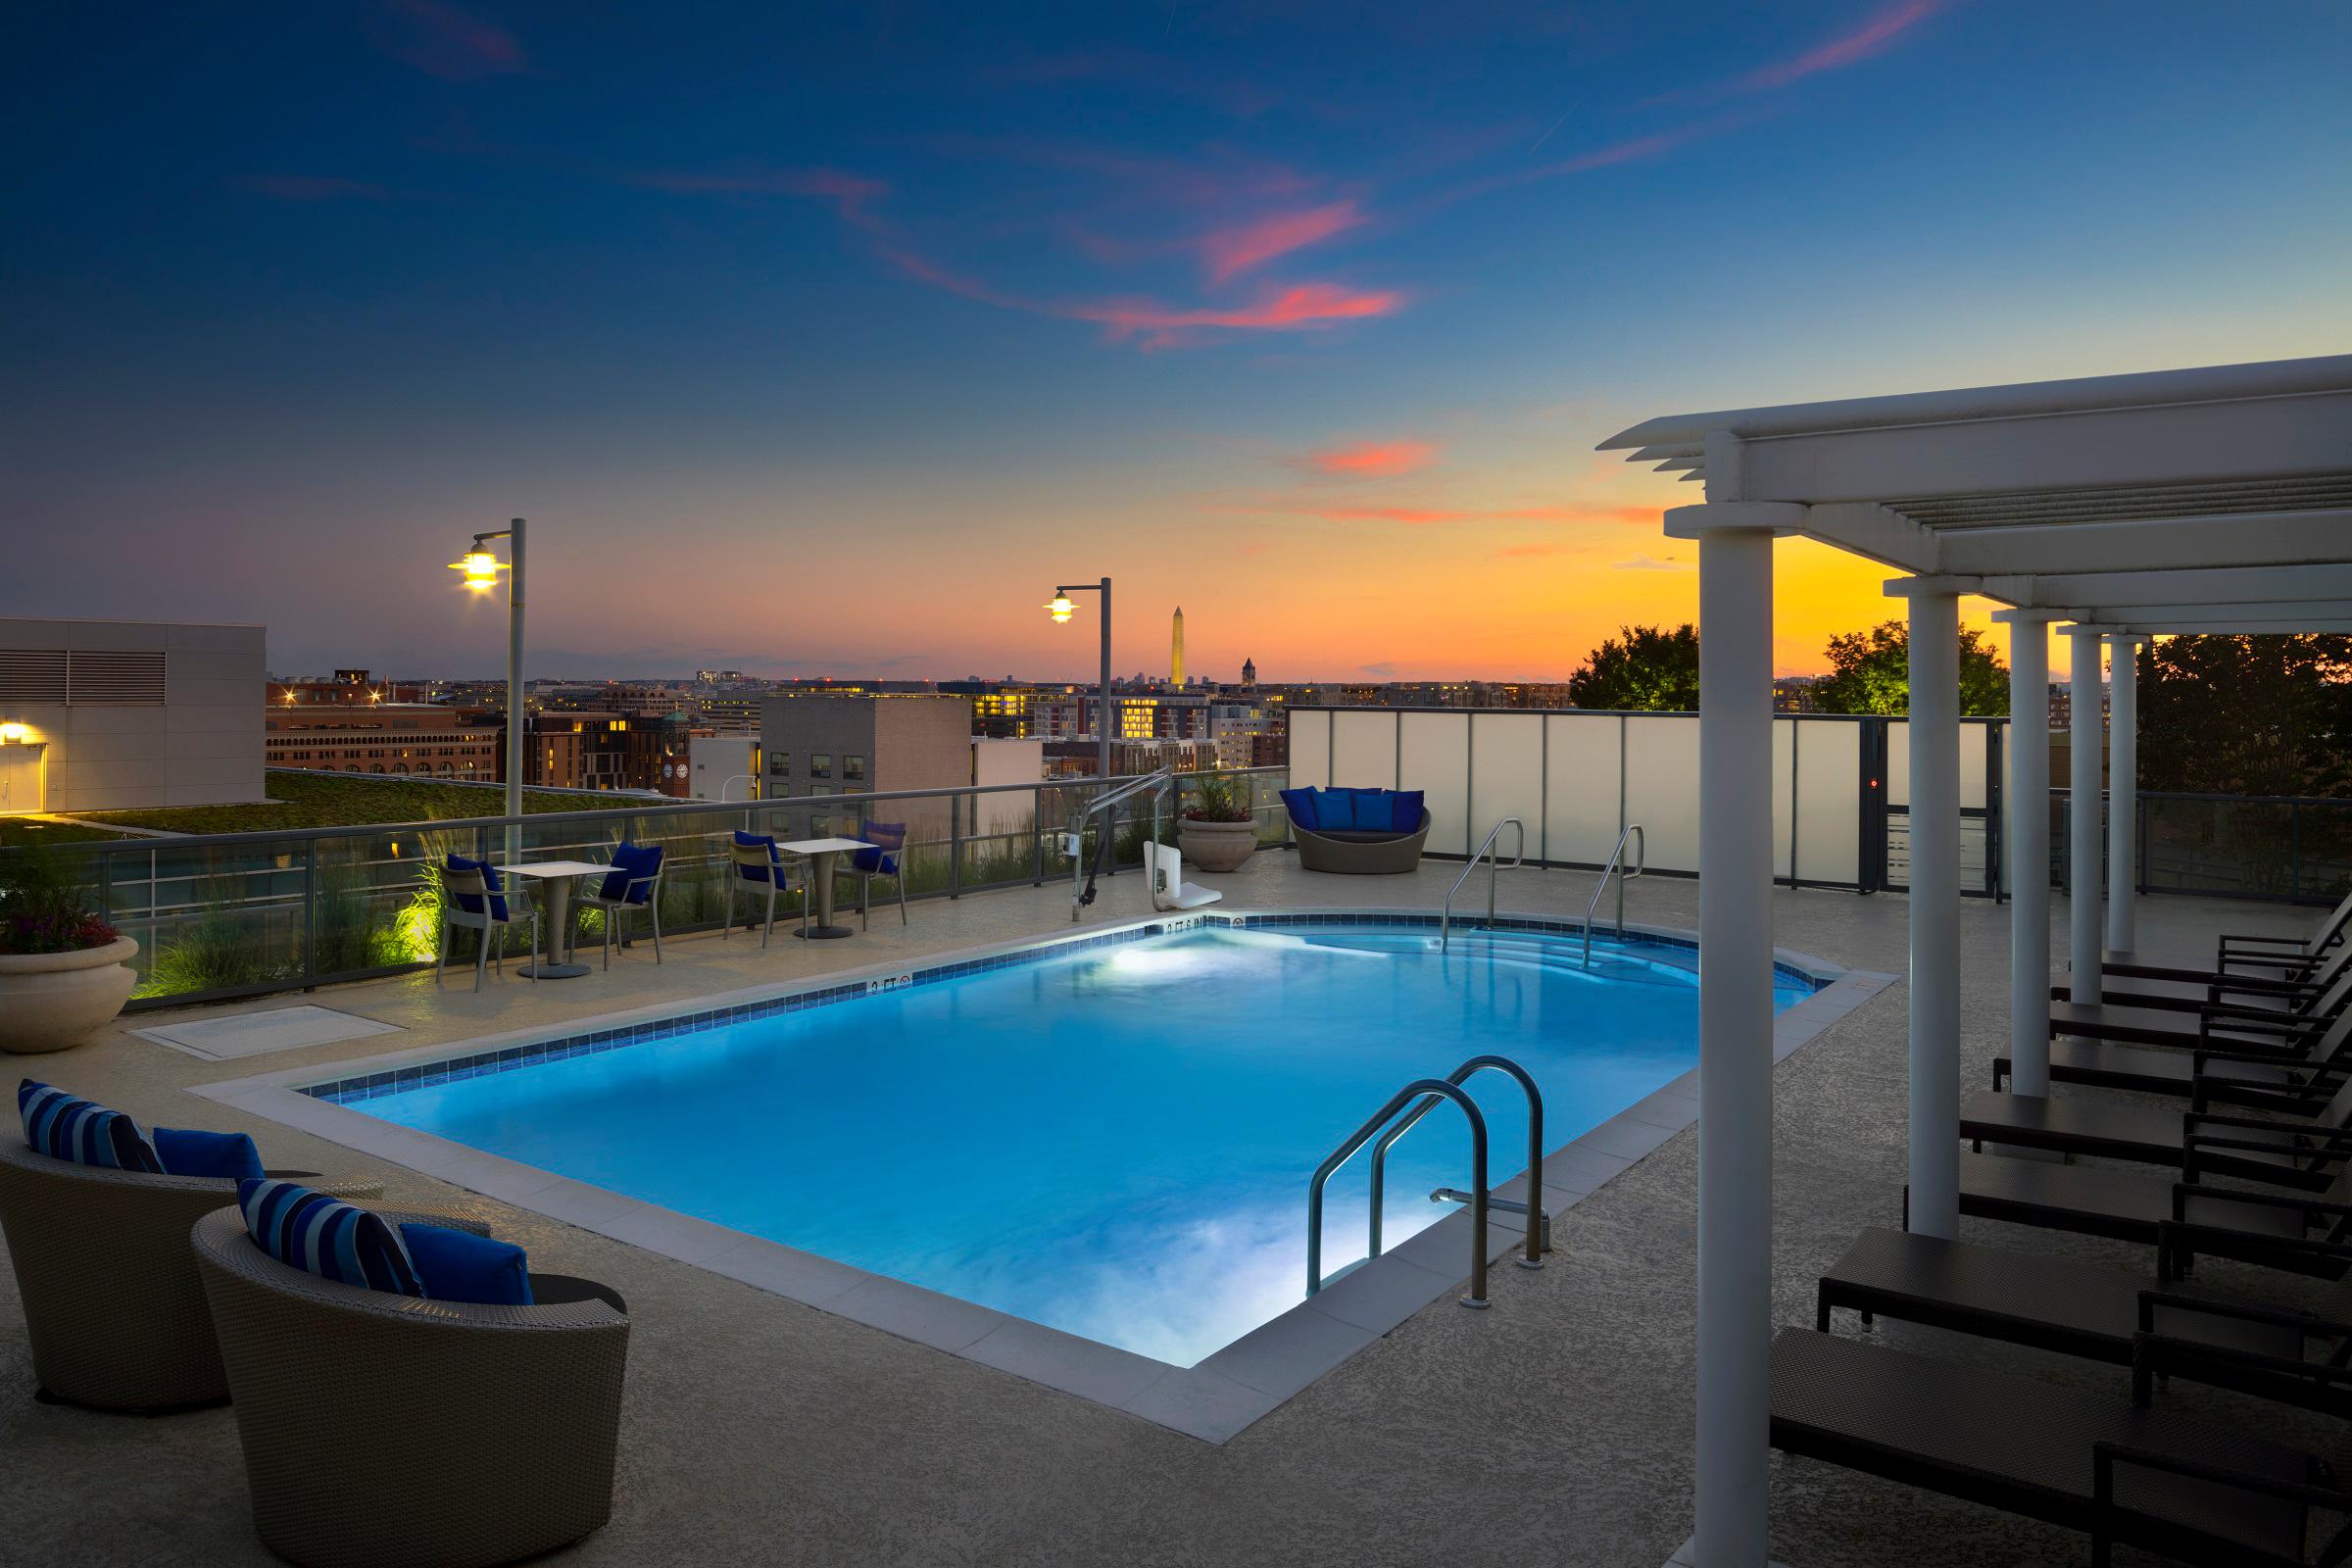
[[1213, 1401]]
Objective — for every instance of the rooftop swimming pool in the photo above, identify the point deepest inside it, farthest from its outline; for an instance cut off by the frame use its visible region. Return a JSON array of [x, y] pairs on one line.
[[1111, 1136]]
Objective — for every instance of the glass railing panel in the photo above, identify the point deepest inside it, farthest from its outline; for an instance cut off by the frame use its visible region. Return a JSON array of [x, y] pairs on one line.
[[222, 918]]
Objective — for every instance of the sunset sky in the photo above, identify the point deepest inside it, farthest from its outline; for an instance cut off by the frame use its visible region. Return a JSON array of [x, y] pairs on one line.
[[828, 339]]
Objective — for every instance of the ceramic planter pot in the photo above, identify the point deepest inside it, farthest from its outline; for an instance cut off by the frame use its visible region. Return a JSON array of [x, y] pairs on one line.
[[50, 1000], [1216, 846]]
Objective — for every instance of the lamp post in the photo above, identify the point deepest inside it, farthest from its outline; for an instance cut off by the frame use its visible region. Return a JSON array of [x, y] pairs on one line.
[[480, 570], [1060, 608]]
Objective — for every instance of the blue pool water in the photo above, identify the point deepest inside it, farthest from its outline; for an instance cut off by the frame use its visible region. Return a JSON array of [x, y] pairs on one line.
[[1115, 1141]]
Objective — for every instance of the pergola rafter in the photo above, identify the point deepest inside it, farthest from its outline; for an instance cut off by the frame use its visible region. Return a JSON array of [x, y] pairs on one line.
[[2209, 500]]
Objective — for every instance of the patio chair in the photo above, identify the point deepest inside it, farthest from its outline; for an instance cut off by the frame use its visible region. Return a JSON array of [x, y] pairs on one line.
[[2286, 953], [112, 1305], [2118, 1470], [2226, 1023], [886, 857], [472, 898], [761, 870], [381, 1431], [2074, 1307], [2215, 1073], [2192, 991], [2297, 1145], [635, 883]]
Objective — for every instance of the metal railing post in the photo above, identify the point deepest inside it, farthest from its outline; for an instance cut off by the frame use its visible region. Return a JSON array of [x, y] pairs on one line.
[[955, 847], [1037, 831], [309, 912]]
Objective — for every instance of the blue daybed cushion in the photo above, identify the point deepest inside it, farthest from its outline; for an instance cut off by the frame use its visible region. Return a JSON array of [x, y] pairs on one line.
[[765, 841], [629, 862], [63, 1127], [472, 904], [327, 1237], [1335, 811], [460, 1266], [186, 1151], [1405, 807], [1371, 810], [1301, 804]]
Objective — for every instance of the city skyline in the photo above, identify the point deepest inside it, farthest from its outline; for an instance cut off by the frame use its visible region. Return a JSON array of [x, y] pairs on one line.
[[832, 342]]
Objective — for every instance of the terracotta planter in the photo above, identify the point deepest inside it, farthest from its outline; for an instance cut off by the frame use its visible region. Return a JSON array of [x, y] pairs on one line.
[[1216, 846], [50, 1000]]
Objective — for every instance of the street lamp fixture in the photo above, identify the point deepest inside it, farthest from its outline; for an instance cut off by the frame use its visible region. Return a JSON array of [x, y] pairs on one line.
[[1062, 610], [478, 571]]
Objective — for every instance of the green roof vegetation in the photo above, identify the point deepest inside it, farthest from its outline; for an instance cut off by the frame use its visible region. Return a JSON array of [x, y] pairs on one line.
[[341, 800], [24, 832]]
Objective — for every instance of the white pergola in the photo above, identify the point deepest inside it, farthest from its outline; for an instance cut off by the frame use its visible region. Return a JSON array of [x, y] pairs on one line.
[[2211, 500]]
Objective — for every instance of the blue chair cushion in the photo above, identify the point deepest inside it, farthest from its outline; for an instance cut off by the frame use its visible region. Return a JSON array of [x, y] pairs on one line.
[[472, 904], [185, 1151], [1301, 804], [327, 1237], [63, 1127], [461, 1266], [756, 874], [629, 862], [1335, 811], [1404, 811], [884, 836]]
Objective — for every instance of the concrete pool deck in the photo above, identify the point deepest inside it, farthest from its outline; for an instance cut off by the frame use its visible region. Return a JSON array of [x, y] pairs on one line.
[[1554, 1428]]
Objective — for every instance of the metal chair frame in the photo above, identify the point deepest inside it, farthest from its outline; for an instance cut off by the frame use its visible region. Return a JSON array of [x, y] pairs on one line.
[[865, 879], [777, 880], [456, 885], [617, 909]]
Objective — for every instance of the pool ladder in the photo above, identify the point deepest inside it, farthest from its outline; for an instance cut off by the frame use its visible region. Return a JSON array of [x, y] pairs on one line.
[[1422, 1095], [1495, 866], [1615, 871]]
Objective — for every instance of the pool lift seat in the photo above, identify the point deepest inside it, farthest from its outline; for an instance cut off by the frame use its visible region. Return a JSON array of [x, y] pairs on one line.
[[1163, 864]]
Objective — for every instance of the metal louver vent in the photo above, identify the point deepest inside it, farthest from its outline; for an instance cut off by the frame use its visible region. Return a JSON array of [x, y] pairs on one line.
[[31, 675], [98, 677]]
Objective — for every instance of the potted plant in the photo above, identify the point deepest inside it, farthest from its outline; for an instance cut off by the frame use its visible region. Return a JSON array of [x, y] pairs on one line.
[[1218, 832], [64, 970]]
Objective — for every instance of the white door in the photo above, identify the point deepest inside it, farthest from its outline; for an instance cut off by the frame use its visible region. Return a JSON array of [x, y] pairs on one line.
[[20, 778]]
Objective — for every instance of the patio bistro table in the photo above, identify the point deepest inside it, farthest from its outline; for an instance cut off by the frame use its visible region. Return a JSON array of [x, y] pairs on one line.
[[555, 879], [819, 854]]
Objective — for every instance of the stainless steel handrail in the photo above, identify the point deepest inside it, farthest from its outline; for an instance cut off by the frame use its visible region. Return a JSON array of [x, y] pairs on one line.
[[1338, 1156], [1493, 866], [1616, 868], [1533, 1258], [1156, 782]]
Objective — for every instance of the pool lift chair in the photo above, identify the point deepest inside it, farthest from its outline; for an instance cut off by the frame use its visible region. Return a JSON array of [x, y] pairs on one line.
[[1163, 864]]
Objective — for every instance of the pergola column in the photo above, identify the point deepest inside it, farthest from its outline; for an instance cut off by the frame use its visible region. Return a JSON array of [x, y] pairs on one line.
[[1734, 1022], [1935, 902], [2026, 843], [2083, 950], [2123, 790]]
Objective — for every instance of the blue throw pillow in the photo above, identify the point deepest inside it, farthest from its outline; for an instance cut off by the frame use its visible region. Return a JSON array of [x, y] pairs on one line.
[[1404, 808], [185, 1151], [327, 1237], [460, 1266], [1371, 810], [884, 836], [1301, 804], [1335, 810], [765, 841], [472, 904], [63, 1127], [629, 862]]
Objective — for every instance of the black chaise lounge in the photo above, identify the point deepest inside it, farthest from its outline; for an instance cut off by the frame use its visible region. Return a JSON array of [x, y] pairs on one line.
[[2216, 1072], [2121, 1470], [2300, 1148], [2087, 1310], [2236, 1027], [2133, 1206], [2193, 990]]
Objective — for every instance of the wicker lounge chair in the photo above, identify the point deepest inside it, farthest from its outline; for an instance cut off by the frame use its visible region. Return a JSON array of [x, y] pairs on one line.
[[1352, 851], [2080, 1308], [112, 1302], [2118, 1469], [385, 1431]]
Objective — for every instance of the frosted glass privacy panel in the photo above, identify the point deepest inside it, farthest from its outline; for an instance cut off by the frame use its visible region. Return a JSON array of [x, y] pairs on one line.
[[1784, 795], [1829, 802], [1898, 762], [1363, 748], [1436, 760], [1661, 786], [1506, 777], [1975, 743], [1310, 750], [1973, 740], [1582, 786]]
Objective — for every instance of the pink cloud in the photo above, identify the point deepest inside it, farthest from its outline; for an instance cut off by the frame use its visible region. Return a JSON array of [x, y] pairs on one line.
[[1371, 460], [443, 41], [309, 188], [1873, 37], [1234, 250], [1425, 516], [1300, 307]]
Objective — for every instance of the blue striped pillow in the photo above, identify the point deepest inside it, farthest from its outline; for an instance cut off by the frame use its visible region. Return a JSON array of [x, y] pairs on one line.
[[327, 1237], [63, 1127]]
